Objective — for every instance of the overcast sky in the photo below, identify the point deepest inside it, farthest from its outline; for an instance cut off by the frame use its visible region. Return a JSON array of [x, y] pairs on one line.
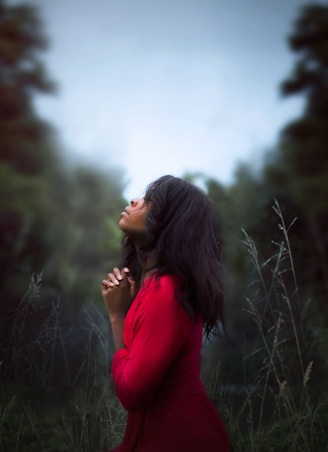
[[168, 86]]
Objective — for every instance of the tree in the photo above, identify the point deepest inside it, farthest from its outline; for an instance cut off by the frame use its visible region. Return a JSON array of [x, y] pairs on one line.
[[58, 235], [304, 142], [22, 75], [26, 151]]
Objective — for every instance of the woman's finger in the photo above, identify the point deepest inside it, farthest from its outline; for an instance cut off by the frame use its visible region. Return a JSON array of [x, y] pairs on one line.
[[117, 273], [112, 278], [107, 284]]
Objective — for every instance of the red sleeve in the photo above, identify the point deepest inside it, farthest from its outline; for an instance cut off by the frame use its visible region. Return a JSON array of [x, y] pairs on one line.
[[160, 327]]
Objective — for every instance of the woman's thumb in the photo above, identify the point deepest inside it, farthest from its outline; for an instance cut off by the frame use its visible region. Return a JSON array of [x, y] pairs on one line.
[[133, 286], [131, 281]]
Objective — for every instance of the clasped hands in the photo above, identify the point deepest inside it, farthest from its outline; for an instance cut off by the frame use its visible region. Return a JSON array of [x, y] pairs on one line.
[[118, 291]]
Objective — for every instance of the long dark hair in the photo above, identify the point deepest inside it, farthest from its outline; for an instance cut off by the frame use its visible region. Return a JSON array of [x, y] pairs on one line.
[[184, 228]]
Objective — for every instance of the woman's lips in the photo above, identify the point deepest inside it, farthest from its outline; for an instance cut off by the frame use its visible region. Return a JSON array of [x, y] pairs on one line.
[[125, 212]]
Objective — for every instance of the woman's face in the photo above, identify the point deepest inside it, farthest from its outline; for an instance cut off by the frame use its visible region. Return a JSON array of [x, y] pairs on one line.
[[133, 220]]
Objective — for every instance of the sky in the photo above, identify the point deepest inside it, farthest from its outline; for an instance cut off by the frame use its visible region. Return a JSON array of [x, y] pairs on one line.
[[168, 86]]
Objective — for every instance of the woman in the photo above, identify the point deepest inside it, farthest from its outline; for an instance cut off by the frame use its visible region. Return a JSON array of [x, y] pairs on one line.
[[158, 304]]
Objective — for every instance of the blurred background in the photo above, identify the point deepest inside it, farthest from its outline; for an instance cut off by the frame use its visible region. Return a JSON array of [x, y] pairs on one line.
[[96, 101]]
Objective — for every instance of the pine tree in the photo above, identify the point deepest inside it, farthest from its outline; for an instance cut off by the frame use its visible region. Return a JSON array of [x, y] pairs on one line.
[[26, 152], [304, 142]]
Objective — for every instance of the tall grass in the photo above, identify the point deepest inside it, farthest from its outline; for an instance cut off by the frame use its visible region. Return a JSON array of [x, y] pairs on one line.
[[278, 412], [46, 402], [48, 405]]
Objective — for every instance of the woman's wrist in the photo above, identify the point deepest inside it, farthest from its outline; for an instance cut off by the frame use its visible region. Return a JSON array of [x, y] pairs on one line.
[[116, 318], [117, 324]]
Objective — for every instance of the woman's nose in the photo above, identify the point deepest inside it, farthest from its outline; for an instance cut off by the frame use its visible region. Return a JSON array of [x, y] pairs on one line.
[[137, 202]]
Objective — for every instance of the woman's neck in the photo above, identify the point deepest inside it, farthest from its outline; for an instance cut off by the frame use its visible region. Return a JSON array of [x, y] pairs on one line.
[[148, 263]]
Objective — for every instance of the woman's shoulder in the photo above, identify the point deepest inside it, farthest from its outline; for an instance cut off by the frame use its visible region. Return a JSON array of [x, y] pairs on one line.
[[159, 282], [160, 293], [162, 287]]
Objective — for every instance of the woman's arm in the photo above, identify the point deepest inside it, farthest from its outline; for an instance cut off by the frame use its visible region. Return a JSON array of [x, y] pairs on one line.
[[159, 328], [117, 326], [118, 292]]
